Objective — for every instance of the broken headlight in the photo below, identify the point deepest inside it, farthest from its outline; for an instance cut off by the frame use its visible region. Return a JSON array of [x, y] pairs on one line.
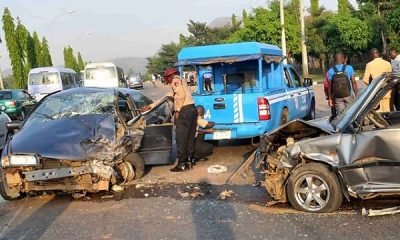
[[24, 160]]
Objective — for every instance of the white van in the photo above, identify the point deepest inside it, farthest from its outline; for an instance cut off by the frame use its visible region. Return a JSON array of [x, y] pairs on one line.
[[46, 80], [104, 74]]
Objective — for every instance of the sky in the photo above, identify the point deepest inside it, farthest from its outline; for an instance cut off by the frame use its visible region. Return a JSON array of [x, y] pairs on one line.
[[104, 29]]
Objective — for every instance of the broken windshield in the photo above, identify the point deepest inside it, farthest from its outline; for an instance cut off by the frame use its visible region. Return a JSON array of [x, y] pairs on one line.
[[60, 106]]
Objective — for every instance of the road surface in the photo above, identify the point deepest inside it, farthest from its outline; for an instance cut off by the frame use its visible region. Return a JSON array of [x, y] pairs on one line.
[[166, 205]]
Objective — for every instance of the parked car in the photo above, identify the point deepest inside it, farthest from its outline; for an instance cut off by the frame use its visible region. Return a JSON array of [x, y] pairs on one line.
[[253, 91], [135, 81], [17, 103], [316, 164], [85, 140]]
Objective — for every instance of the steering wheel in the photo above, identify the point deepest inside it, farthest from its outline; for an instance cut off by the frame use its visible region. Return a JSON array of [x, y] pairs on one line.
[[377, 120]]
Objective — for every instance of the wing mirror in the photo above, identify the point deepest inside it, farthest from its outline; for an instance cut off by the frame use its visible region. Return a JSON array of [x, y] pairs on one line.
[[308, 82], [14, 125], [355, 126]]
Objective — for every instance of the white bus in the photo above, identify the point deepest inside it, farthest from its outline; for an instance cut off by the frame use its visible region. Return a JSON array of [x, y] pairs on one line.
[[46, 80], [103, 74]]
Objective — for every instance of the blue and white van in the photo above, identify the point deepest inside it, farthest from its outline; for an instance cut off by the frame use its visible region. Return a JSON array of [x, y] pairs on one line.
[[252, 90], [45, 80]]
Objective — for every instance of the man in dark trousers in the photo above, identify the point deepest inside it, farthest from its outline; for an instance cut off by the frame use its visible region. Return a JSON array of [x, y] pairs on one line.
[[342, 84], [185, 119], [202, 149]]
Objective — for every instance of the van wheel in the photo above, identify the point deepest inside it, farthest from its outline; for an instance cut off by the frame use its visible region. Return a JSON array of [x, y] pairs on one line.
[[284, 117], [311, 115], [6, 192], [313, 188]]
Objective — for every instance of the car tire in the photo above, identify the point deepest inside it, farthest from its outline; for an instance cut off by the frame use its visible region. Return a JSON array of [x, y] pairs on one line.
[[284, 117], [22, 115], [5, 190], [311, 115], [313, 188], [137, 163]]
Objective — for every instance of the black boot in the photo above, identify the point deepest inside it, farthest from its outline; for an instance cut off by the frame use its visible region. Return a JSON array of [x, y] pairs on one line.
[[180, 167], [193, 161], [189, 164]]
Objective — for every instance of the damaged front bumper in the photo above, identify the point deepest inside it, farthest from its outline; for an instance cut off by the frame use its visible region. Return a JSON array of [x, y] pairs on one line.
[[280, 153]]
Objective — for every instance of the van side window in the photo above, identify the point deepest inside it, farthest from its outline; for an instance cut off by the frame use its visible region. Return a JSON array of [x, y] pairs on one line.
[[66, 80], [287, 77], [297, 80]]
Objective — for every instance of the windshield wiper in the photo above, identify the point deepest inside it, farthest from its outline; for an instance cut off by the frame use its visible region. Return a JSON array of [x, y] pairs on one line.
[[44, 115]]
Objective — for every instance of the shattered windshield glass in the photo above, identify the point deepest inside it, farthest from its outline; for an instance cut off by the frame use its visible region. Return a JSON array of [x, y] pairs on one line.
[[62, 106]]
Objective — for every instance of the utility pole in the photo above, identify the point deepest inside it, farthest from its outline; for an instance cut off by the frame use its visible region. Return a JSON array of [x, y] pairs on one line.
[[283, 36], [303, 41]]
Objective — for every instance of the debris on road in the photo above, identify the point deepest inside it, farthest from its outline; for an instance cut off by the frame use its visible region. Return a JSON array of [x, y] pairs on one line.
[[117, 188], [217, 169], [184, 194], [381, 212], [146, 195], [107, 196], [139, 186], [226, 194]]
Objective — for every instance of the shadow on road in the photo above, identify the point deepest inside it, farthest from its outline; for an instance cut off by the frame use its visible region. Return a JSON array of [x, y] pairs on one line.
[[213, 220], [37, 223]]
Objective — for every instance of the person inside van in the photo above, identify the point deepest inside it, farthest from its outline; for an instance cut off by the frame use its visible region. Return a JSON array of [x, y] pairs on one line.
[[207, 78]]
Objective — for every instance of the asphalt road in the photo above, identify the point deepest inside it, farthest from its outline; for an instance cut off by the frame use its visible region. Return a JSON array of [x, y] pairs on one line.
[[166, 205]]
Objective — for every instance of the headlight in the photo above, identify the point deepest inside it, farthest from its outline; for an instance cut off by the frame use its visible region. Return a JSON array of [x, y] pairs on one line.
[[23, 160]]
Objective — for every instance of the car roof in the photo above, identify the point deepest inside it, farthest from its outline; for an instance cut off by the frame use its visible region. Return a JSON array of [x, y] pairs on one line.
[[51, 69], [228, 50]]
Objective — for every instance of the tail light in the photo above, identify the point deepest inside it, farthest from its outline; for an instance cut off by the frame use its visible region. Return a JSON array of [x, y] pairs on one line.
[[11, 103], [264, 110]]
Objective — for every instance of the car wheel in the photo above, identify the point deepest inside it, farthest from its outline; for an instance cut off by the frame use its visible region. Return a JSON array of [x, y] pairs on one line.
[[313, 188], [311, 115], [22, 115], [6, 192], [137, 163], [284, 117]]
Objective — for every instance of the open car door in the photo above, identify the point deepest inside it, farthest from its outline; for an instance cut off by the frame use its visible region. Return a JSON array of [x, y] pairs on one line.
[[157, 143]]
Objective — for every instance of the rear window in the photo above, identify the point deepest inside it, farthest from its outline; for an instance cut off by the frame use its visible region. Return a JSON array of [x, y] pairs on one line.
[[243, 80], [101, 73], [43, 78], [5, 95]]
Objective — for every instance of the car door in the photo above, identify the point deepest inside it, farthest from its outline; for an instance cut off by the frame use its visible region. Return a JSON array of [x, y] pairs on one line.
[[291, 92], [301, 94], [158, 140]]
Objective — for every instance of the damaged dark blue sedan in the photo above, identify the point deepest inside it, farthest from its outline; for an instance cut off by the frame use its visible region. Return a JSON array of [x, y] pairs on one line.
[[85, 140]]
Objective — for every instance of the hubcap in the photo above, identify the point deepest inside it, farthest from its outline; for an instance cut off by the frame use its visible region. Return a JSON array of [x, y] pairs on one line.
[[312, 192]]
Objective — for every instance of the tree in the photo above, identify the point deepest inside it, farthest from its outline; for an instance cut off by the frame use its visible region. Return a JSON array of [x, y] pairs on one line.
[[25, 42], [233, 20], [344, 7], [14, 49], [70, 60], [166, 58], [244, 16], [45, 54], [37, 46], [81, 64]]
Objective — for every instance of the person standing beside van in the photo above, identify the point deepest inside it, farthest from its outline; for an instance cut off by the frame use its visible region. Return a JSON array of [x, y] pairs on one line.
[[342, 84], [185, 118], [202, 149]]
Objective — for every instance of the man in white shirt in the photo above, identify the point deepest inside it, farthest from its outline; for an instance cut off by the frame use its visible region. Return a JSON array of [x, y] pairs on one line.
[[395, 56]]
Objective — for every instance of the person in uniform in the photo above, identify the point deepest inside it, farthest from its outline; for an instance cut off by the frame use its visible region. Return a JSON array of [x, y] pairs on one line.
[[202, 149], [185, 118], [373, 70]]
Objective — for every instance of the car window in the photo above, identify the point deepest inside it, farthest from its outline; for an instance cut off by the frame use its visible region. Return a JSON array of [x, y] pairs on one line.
[[67, 80], [5, 95], [43, 78], [296, 78], [140, 100], [26, 96], [19, 95], [160, 114], [287, 78]]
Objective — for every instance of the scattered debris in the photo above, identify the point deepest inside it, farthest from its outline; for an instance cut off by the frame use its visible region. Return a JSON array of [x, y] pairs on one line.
[[107, 196], [382, 212], [226, 194], [195, 194], [77, 195], [146, 195], [117, 188], [184, 194], [139, 186], [217, 169]]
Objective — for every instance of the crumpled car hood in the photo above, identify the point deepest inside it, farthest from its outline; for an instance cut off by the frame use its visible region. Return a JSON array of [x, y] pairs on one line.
[[76, 138]]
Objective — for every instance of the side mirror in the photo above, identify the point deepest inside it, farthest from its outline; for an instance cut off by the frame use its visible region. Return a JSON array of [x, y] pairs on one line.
[[355, 126], [14, 125], [308, 82]]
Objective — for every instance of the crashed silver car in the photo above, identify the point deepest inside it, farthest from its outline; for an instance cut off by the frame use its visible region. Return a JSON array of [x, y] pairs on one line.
[[316, 164], [85, 140]]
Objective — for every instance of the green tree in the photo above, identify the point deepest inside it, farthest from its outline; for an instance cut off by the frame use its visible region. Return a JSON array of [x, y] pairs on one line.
[[233, 20], [45, 54], [14, 49], [37, 46], [28, 50], [70, 59], [81, 63], [244, 16], [165, 59], [344, 7]]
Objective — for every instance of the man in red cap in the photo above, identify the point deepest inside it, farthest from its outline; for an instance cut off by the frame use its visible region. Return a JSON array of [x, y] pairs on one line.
[[185, 119]]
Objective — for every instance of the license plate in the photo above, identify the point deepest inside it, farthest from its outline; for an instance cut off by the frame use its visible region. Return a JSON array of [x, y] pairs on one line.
[[222, 135]]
